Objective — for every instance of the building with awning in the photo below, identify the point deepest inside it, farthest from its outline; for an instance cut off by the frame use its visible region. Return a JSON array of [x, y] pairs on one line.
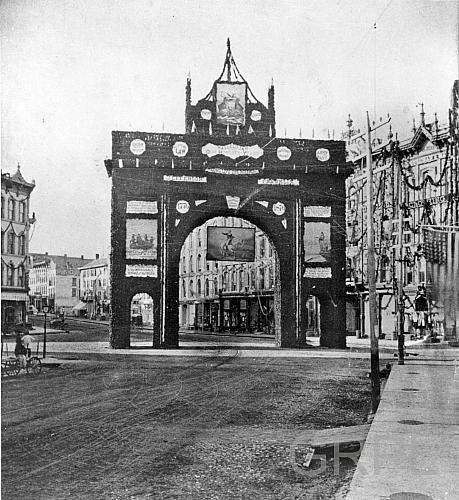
[[80, 308]]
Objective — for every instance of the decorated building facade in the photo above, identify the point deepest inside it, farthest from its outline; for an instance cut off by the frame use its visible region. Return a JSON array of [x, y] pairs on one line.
[[415, 184]]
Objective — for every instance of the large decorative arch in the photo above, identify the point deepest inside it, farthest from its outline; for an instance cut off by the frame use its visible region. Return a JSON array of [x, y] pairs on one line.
[[228, 163]]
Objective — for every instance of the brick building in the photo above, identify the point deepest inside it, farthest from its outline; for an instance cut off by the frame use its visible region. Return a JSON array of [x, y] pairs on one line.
[[15, 247], [230, 296], [94, 288], [54, 281]]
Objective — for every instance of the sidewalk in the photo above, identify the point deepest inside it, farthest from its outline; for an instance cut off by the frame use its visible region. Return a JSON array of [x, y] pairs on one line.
[[412, 449]]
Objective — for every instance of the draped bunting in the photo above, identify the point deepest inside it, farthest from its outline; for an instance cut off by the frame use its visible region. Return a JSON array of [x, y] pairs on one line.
[[18, 229]]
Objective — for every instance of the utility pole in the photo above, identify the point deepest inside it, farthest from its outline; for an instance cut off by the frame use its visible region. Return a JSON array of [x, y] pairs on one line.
[[400, 293], [374, 347]]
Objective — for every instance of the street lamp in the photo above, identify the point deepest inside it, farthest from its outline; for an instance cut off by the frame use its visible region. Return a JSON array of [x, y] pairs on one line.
[[45, 310]]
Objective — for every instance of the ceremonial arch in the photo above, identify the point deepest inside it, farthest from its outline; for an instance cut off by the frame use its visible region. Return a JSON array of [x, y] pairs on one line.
[[228, 163]]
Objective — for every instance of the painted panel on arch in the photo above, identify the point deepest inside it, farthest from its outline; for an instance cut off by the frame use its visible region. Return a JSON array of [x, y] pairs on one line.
[[141, 239], [316, 242], [231, 243], [231, 99]]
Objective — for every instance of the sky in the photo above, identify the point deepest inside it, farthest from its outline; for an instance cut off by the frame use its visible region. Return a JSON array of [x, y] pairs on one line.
[[74, 70]]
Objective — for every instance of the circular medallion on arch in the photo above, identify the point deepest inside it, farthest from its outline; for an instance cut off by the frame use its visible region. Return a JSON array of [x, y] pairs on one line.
[[206, 114], [283, 153], [279, 208], [182, 207], [322, 154], [180, 149], [255, 115], [137, 147]]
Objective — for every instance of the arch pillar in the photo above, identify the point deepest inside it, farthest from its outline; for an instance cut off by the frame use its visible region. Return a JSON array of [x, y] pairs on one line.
[[332, 328]]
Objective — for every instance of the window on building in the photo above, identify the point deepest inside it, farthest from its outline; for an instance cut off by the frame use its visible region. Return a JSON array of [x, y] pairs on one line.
[[22, 245], [199, 288], [190, 288], [207, 288], [262, 247], [3, 208], [183, 289], [74, 282], [21, 211], [191, 263], [241, 280], [11, 209], [21, 276], [199, 263], [215, 285], [262, 279], [10, 244], [422, 277], [199, 237], [225, 281], [10, 275], [3, 242], [74, 292], [233, 281]]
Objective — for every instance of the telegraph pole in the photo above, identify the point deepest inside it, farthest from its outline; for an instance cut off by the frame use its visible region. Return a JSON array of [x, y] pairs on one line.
[[400, 294], [374, 347]]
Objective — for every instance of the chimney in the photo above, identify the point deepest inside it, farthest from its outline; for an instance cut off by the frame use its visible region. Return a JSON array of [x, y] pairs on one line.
[[46, 253], [97, 256], [82, 257]]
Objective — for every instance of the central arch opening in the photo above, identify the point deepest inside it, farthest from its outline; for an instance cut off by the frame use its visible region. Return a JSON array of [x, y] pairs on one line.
[[229, 283]]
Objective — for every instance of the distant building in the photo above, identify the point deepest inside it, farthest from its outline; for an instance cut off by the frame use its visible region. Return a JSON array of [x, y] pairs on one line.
[[15, 247], [54, 281], [94, 289], [227, 296]]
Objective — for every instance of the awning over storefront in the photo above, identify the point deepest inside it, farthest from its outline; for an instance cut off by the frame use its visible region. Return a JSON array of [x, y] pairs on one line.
[[81, 306]]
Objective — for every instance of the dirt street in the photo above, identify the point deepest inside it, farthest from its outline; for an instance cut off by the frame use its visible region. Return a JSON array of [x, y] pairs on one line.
[[148, 427]]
